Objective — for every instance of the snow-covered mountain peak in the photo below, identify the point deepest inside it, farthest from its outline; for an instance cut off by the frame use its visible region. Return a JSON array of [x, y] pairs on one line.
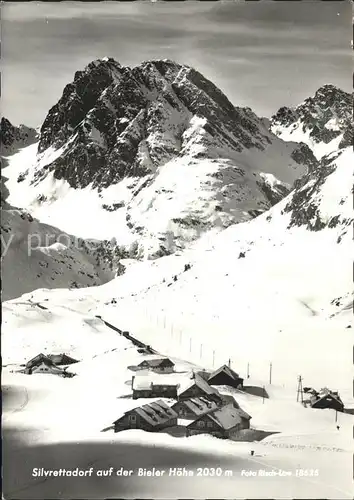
[[165, 147], [323, 122], [110, 113]]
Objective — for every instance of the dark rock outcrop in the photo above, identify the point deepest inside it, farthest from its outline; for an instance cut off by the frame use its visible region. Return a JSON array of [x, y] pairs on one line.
[[114, 122], [325, 116], [12, 138]]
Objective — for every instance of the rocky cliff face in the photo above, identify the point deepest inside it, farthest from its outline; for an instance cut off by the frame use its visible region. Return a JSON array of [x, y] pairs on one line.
[[323, 121], [114, 121], [189, 161], [317, 202], [12, 138]]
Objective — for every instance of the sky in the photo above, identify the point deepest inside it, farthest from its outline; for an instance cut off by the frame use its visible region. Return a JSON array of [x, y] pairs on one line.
[[260, 54]]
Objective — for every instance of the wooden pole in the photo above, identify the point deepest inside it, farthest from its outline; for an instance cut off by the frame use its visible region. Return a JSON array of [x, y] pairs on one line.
[[270, 373], [263, 394], [299, 389], [248, 370]]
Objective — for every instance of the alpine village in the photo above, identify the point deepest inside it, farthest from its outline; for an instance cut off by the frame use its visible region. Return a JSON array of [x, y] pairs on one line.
[[203, 403]]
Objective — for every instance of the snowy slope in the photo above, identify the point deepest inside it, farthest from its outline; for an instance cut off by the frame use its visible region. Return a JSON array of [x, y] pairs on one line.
[[35, 255], [46, 410], [260, 287], [156, 154], [274, 289]]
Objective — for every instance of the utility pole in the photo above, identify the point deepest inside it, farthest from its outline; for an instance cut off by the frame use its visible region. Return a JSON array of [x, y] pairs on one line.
[[229, 363], [263, 394], [336, 415], [248, 370], [299, 390], [270, 373]]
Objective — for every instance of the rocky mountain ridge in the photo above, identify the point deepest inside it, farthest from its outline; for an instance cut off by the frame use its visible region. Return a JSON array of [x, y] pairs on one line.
[[324, 119], [115, 121], [189, 160], [158, 151], [12, 137]]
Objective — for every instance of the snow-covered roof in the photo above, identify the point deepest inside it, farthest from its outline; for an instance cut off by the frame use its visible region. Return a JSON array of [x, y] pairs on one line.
[[62, 358], [226, 417], [157, 362], [200, 383], [155, 413], [229, 399], [144, 383], [141, 384], [227, 370], [200, 406], [37, 360], [325, 394], [243, 414]]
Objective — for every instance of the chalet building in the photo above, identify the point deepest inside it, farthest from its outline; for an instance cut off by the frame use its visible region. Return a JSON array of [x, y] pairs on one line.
[[151, 417], [225, 422], [37, 360], [191, 409], [44, 367], [41, 360], [327, 399], [197, 387], [62, 359], [44, 364], [143, 387], [225, 376], [162, 365]]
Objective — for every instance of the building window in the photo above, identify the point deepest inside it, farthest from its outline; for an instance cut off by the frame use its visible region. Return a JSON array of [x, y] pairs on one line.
[[132, 418], [209, 424], [200, 423]]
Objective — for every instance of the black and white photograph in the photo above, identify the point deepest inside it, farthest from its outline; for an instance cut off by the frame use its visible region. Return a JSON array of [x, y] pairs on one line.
[[176, 250]]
